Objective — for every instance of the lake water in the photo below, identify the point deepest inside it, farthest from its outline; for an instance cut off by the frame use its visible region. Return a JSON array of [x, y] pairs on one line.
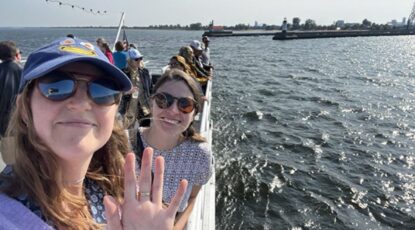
[[308, 134]]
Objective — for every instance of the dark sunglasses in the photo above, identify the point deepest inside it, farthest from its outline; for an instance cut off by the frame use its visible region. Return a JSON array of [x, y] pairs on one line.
[[174, 64], [138, 59], [59, 86], [184, 104]]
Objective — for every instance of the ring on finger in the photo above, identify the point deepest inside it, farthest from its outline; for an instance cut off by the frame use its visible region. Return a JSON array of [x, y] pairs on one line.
[[144, 194]]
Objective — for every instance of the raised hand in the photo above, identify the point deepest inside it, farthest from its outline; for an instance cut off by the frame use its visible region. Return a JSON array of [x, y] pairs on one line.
[[143, 209]]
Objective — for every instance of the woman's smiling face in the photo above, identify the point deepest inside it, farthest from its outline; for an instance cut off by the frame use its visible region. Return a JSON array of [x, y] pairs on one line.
[[76, 127], [171, 120]]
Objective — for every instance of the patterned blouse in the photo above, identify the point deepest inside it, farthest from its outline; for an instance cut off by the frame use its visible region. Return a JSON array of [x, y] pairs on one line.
[[191, 161], [93, 193]]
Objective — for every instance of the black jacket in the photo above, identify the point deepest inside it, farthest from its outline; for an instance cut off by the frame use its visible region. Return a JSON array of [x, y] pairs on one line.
[[10, 74]]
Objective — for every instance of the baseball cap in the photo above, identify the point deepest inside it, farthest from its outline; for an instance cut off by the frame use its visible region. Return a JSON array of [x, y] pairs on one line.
[[67, 50], [134, 53], [196, 45]]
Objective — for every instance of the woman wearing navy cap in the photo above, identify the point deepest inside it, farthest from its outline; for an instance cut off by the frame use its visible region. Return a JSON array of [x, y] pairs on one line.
[[70, 151]]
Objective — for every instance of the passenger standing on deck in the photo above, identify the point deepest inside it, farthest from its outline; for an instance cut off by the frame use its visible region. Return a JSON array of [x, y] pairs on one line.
[[197, 52], [174, 105], [10, 74], [70, 150], [105, 48], [135, 104], [120, 56], [206, 51], [100, 41]]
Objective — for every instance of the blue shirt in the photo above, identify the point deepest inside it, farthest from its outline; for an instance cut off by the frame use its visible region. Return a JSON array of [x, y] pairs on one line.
[[120, 59]]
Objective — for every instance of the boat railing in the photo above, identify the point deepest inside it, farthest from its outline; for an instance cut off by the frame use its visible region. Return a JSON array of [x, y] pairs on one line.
[[205, 115], [203, 214]]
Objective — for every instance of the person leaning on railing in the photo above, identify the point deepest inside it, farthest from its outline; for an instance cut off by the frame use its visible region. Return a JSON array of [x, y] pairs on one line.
[[198, 52], [205, 57]]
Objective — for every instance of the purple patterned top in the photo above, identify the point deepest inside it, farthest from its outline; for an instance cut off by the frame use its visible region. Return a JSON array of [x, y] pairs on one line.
[[15, 216]]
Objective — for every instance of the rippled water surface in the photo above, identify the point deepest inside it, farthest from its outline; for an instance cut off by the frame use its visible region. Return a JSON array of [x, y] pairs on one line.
[[308, 134]]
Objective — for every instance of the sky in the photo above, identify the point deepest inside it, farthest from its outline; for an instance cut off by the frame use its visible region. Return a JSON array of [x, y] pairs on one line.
[[40, 13]]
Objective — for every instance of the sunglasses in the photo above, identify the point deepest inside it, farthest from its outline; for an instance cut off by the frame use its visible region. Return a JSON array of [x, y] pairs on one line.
[[138, 59], [174, 64], [184, 104], [59, 86]]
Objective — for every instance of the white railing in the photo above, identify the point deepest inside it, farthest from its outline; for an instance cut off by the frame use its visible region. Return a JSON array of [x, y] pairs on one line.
[[205, 118], [203, 214]]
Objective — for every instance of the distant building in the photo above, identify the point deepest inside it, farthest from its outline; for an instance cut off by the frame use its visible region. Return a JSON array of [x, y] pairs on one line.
[[395, 23], [284, 26], [296, 23], [340, 24], [352, 24]]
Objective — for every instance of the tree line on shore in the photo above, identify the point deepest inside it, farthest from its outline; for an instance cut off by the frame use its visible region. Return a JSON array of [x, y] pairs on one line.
[[296, 24]]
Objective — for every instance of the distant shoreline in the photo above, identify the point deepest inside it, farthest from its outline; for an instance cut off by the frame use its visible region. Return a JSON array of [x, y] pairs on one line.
[[115, 27], [94, 27]]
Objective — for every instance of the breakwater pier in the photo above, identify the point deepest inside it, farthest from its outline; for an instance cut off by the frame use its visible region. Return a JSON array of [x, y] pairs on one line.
[[291, 35], [230, 33], [339, 33]]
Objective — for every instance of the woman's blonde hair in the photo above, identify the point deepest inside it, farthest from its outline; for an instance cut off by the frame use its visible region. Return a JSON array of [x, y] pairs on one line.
[[36, 171], [178, 75], [186, 67]]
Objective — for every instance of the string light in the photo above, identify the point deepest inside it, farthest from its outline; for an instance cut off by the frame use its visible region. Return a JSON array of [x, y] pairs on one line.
[[91, 11]]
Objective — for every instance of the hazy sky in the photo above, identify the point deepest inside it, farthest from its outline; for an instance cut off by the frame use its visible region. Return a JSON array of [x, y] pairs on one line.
[[16, 13]]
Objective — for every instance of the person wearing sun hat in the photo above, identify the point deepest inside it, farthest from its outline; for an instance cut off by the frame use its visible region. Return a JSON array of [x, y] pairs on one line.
[[135, 104], [70, 150]]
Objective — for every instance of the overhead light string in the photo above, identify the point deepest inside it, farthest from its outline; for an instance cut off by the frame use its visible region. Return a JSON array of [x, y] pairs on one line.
[[73, 6]]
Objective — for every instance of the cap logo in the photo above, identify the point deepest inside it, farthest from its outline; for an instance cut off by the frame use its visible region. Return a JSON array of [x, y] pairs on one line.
[[68, 41], [77, 50], [87, 45]]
